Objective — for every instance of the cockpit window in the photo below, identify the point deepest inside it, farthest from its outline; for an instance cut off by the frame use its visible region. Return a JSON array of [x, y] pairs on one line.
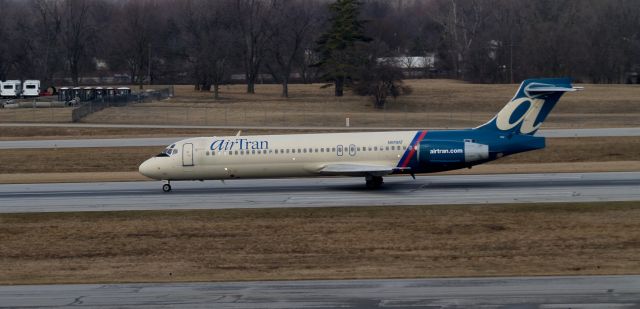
[[168, 151]]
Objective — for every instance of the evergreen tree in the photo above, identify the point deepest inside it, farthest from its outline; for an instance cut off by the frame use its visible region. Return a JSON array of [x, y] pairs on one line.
[[338, 46]]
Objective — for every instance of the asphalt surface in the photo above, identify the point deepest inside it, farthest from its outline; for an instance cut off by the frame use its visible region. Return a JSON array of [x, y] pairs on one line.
[[518, 292], [321, 192], [164, 141]]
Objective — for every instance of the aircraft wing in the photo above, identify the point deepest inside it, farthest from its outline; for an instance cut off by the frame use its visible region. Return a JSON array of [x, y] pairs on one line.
[[346, 169]]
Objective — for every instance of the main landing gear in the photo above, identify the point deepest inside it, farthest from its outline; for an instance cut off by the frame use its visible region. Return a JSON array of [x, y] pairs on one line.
[[167, 186], [374, 182]]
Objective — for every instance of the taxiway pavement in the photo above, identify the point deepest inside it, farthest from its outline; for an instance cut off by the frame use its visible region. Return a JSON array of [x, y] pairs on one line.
[[321, 192], [517, 292], [164, 141]]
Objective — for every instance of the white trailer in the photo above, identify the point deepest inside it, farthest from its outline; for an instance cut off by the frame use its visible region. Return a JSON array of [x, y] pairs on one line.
[[11, 89], [31, 88]]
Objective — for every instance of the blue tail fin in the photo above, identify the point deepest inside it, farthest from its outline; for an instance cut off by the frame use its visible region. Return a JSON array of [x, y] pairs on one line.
[[530, 106]]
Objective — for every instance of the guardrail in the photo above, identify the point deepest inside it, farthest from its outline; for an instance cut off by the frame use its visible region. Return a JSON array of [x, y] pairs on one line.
[[98, 104]]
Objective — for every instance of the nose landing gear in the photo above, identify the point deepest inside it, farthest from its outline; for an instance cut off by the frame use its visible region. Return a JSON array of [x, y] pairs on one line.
[[166, 187]]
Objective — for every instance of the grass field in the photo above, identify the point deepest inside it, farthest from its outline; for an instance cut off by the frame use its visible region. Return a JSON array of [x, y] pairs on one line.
[[321, 243], [434, 103]]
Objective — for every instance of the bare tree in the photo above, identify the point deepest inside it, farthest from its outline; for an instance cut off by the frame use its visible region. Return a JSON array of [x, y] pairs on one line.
[[290, 30], [135, 35], [77, 31], [49, 23], [251, 21], [461, 21], [4, 37], [207, 43]]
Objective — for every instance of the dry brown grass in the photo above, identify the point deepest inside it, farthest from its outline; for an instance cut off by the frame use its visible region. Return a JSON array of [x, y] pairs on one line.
[[434, 103], [35, 114], [359, 242], [123, 159], [71, 177], [581, 149], [115, 159]]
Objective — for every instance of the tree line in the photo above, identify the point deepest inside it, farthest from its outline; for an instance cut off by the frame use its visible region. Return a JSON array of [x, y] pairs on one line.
[[206, 42]]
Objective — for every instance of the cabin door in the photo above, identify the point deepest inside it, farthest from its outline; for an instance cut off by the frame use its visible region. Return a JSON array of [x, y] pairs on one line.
[[187, 154]]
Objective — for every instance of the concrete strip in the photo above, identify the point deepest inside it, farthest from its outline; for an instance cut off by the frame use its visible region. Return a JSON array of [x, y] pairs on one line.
[[515, 292], [321, 192]]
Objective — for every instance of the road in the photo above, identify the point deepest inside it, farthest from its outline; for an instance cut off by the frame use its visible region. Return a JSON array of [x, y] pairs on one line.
[[321, 192], [163, 141], [518, 292]]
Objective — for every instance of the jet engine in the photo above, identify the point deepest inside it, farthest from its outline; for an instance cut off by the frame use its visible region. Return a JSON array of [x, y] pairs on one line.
[[454, 152]]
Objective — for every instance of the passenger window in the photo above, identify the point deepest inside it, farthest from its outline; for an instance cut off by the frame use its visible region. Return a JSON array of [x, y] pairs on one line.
[[207, 153], [316, 149], [321, 149], [304, 150], [333, 149], [253, 152], [276, 151]]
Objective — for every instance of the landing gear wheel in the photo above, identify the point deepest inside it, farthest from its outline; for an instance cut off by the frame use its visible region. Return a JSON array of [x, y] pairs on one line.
[[374, 182], [166, 187]]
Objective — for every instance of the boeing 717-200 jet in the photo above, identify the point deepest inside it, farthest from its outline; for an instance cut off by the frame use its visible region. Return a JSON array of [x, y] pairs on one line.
[[371, 155]]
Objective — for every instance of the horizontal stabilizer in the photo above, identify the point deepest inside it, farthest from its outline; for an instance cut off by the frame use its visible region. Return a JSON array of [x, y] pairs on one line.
[[539, 88]]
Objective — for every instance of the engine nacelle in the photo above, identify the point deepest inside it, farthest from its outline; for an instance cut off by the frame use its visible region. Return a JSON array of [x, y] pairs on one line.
[[452, 152]]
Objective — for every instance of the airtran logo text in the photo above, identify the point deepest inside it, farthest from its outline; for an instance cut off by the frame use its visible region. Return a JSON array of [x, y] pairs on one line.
[[446, 151], [527, 119], [238, 144]]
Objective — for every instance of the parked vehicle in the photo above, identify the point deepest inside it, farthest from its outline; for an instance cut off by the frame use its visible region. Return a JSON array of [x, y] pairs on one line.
[[11, 89], [31, 88]]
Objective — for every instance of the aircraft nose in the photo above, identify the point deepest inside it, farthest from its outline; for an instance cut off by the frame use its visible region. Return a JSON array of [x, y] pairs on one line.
[[149, 168]]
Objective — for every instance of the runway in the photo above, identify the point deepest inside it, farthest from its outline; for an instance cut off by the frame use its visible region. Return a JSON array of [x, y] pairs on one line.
[[321, 192], [164, 141], [518, 292]]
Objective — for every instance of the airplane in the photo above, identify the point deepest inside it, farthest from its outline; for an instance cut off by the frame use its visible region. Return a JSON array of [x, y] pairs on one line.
[[371, 155]]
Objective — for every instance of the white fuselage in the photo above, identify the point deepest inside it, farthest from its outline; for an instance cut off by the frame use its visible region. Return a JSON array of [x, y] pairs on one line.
[[297, 155]]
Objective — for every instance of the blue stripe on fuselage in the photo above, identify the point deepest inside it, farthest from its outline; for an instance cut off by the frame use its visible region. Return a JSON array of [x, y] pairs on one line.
[[408, 150]]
